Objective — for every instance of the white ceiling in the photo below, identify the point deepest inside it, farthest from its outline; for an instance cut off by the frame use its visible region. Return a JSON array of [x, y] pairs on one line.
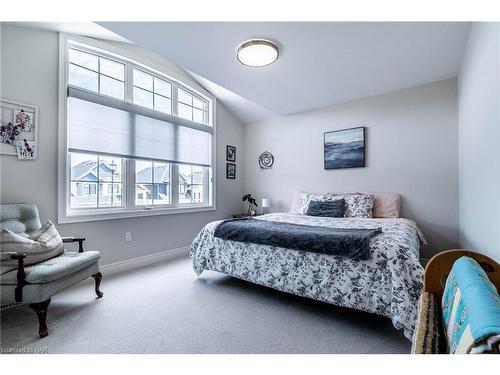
[[321, 63]]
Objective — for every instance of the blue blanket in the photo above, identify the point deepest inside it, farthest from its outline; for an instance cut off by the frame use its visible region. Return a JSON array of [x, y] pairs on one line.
[[347, 242], [471, 308]]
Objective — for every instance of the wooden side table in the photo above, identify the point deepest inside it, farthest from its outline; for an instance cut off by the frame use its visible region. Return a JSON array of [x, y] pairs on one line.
[[243, 215]]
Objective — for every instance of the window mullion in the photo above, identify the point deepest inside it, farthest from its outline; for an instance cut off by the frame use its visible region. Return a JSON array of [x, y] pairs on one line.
[[99, 75], [206, 185], [130, 183], [129, 163], [175, 105], [152, 183], [97, 185], [175, 184], [191, 183], [129, 84]]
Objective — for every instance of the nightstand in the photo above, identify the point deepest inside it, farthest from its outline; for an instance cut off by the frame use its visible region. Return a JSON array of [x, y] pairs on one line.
[[243, 215]]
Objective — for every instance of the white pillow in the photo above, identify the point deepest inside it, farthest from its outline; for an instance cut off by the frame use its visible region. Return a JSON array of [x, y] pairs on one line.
[[40, 245], [295, 206]]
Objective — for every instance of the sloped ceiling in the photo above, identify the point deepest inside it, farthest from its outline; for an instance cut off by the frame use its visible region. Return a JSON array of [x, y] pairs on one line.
[[90, 29]]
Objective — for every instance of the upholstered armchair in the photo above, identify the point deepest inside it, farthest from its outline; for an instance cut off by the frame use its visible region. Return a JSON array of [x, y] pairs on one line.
[[37, 283]]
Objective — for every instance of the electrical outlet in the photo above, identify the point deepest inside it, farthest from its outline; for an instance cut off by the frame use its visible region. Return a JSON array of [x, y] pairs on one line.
[[128, 236]]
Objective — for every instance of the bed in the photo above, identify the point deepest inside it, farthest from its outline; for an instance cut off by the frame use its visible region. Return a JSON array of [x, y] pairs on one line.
[[389, 283]]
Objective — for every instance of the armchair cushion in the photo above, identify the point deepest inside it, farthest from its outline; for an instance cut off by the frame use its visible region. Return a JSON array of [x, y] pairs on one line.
[[42, 244], [33, 293], [54, 269]]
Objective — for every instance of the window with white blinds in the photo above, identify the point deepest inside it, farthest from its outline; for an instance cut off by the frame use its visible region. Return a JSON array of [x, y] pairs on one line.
[[106, 126], [130, 142]]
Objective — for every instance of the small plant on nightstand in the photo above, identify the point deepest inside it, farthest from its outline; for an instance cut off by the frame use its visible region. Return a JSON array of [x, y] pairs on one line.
[[252, 204]]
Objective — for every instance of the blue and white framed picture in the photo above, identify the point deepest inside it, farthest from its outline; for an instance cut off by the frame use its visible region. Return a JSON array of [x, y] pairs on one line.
[[230, 153], [344, 148], [230, 171]]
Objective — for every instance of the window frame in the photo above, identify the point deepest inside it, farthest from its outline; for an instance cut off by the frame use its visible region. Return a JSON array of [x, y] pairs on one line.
[[158, 69], [100, 184], [192, 106], [153, 183], [99, 72], [153, 92]]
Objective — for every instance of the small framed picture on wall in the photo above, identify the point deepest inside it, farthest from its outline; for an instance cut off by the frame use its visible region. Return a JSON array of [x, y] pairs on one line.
[[230, 171], [231, 153]]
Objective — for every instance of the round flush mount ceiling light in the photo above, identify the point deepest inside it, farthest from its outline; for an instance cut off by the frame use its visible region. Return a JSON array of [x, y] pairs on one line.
[[257, 52]]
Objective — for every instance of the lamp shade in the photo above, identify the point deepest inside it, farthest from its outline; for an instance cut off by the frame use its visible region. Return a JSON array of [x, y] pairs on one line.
[[266, 203]]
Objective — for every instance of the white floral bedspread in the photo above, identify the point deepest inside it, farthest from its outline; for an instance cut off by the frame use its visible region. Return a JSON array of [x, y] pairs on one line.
[[388, 284]]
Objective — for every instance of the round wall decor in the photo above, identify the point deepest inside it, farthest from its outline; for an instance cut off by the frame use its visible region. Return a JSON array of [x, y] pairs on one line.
[[266, 160]]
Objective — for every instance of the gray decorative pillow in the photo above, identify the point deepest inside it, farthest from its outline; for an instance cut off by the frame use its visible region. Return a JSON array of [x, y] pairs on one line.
[[306, 198], [335, 208]]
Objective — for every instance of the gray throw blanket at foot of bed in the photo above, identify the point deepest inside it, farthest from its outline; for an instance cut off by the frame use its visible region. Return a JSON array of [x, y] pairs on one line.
[[347, 242]]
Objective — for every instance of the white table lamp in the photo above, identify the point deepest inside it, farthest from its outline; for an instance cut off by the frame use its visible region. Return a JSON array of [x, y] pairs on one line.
[[266, 203]]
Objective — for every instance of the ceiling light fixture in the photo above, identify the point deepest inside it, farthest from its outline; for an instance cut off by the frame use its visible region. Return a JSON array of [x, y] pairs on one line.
[[257, 52]]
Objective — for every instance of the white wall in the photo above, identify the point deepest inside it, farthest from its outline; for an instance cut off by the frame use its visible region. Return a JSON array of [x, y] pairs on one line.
[[29, 74], [411, 149], [479, 141]]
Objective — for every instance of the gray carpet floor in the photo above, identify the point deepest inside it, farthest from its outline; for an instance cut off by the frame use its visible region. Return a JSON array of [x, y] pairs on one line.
[[165, 308]]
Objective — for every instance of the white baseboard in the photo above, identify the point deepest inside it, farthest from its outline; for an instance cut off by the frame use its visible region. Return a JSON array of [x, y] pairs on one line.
[[129, 264]]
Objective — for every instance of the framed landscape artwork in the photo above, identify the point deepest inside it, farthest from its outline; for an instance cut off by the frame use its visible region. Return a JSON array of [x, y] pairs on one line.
[[344, 148]]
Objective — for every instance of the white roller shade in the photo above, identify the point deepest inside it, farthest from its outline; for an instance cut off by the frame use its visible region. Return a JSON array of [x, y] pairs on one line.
[[107, 126]]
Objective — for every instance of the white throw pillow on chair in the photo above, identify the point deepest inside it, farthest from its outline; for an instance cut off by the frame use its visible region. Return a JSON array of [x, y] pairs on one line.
[[40, 245]]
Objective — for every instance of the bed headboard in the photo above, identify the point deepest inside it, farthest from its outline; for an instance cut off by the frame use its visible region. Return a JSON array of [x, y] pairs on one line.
[[439, 267]]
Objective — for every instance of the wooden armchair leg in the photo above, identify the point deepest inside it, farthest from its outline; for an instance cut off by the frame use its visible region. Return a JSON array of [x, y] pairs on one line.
[[41, 311], [98, 277]]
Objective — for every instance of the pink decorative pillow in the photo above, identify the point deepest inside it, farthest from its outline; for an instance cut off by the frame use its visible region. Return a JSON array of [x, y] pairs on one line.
[[386, 205]]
